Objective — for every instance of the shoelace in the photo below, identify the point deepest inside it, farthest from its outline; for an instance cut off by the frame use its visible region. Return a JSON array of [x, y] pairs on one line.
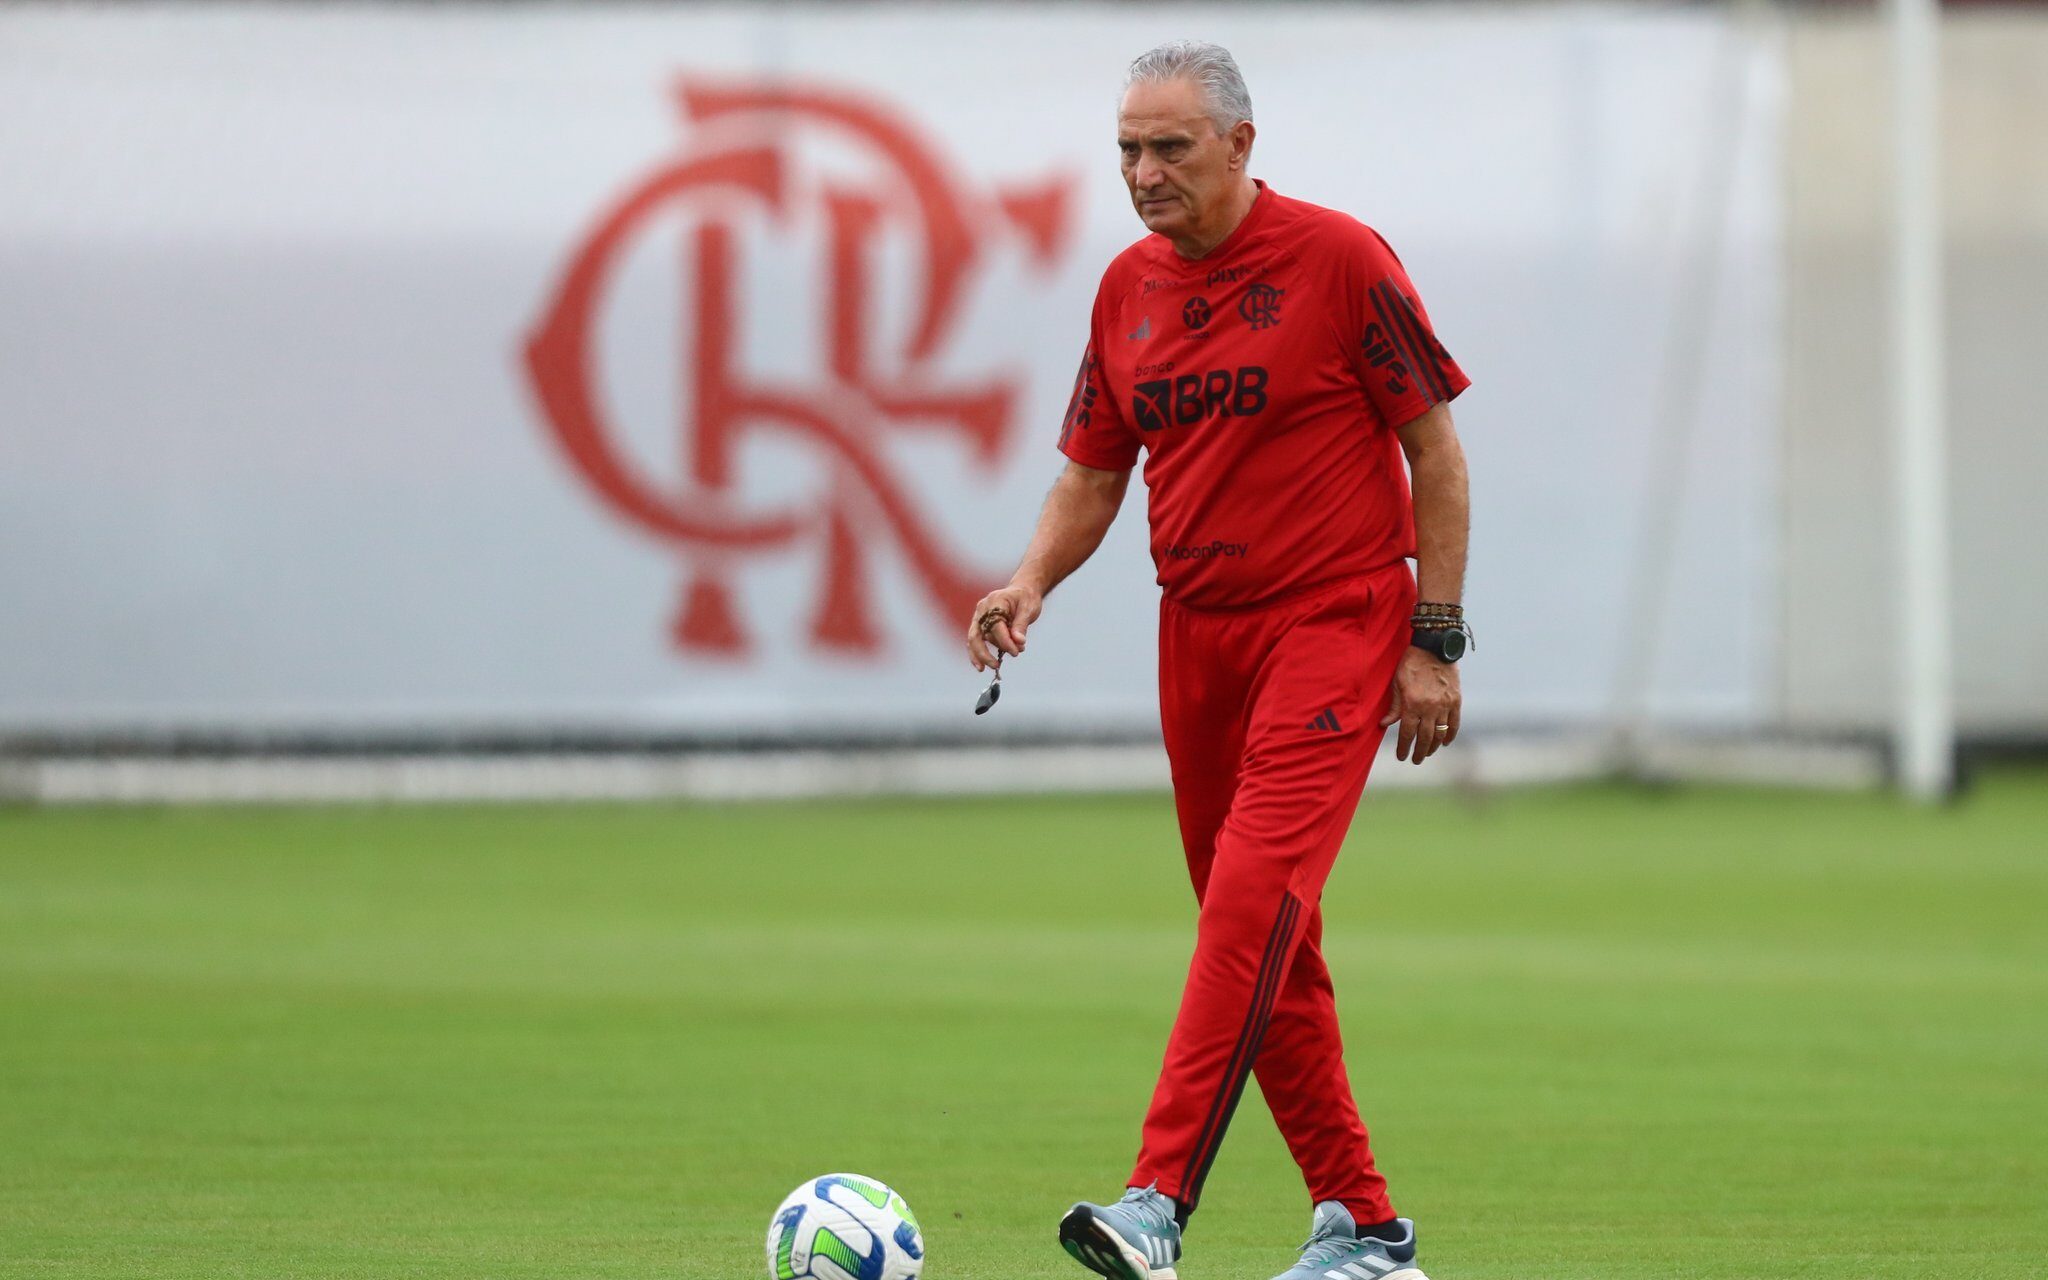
[[1150, 1207], [1321, 1249]]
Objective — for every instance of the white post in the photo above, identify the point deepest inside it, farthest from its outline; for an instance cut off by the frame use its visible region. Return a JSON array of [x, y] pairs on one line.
[[1925, 725]]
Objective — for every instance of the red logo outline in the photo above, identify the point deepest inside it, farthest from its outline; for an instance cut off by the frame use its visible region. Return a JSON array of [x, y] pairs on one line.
[[740, 167]]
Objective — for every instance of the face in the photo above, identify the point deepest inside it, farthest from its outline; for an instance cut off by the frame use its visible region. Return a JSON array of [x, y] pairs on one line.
[[1179, 169]]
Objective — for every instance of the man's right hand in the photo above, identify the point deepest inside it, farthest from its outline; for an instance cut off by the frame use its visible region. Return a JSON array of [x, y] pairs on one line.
[[1076, 514], [989, 639]]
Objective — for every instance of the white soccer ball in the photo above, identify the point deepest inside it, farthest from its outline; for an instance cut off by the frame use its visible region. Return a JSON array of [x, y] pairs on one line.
[[844, 1227]]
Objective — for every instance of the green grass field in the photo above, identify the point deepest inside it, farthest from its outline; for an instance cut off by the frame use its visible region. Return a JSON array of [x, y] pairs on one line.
[[1598, 1033]]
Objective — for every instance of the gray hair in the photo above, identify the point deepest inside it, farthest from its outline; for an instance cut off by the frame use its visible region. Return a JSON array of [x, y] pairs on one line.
[[1211, 68]]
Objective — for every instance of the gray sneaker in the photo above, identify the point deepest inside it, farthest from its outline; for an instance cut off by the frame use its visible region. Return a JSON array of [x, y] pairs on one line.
[[1134, 1239], [1335, 1251]]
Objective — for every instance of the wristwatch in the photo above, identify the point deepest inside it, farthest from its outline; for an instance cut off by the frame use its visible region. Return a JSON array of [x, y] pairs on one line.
[[1447, 643]]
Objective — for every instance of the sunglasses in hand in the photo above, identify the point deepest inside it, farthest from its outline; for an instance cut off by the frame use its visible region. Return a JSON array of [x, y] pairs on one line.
[[989, 695]]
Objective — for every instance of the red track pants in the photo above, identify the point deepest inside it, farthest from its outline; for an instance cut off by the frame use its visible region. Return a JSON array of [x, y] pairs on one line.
[[1271, 719]]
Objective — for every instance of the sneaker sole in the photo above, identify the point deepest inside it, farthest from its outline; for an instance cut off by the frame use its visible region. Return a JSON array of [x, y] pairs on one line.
[[1092, 1244], [1399, 1273]]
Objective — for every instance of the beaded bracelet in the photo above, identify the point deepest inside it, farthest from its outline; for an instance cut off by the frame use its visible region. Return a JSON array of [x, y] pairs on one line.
[[1421, 622]]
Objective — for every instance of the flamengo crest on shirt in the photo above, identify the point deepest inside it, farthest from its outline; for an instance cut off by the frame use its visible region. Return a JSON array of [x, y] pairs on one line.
[[1260, 306], [738, 191]]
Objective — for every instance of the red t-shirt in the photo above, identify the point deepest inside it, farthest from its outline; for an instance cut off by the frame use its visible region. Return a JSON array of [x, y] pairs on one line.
[[1264, 381]]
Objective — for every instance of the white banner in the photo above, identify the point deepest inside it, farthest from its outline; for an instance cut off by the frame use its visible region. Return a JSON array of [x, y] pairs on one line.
[[557, 368]]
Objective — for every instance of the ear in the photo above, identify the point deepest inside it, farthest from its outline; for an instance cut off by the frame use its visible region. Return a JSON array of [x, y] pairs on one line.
[[1241, 135]]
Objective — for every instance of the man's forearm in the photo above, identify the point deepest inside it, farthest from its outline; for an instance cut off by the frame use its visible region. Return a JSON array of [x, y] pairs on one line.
[[1076, 516], [1443, 516]]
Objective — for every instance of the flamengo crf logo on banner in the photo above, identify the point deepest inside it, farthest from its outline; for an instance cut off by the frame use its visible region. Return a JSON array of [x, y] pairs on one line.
[[744, 185]]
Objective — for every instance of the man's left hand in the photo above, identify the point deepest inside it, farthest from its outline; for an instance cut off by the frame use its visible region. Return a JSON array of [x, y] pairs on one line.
[[1426, 704]]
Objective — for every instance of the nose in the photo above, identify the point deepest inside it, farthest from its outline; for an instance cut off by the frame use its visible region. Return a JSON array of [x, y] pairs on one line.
[[1149, 174]]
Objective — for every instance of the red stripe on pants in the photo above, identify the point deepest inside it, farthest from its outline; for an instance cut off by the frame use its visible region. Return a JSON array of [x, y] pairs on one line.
[[1265, 789]]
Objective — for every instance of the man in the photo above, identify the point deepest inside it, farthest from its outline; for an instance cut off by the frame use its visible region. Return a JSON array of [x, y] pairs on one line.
[[1272, 360]]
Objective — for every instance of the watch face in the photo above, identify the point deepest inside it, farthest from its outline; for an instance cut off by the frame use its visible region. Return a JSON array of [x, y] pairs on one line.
[[1454, 645]]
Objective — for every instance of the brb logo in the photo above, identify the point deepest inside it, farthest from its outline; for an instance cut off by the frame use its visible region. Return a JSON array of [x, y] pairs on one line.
[[1196, 397], [822, 228]]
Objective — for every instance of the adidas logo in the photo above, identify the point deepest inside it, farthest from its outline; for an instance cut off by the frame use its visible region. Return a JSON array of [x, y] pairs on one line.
[[1327, 722], [1144, 329]]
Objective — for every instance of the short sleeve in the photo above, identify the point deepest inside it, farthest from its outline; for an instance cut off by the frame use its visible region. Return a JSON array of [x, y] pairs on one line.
[[1405, 370], [1094, 433]]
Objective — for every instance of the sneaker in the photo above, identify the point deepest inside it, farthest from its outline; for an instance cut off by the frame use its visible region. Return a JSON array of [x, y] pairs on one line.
[[1335, 1251], [1134, 1239]]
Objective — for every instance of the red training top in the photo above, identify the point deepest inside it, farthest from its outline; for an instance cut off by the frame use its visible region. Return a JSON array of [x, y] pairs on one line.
[[1264, 382]]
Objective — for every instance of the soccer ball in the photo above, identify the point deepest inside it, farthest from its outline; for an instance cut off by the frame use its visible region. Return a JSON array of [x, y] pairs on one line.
[[844, 1227]]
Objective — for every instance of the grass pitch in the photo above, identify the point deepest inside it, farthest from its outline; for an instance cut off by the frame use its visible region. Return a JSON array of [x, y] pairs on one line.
[[1598, 1033]]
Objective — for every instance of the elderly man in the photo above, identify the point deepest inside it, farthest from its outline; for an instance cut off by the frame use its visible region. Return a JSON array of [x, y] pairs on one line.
[[1272, 360]]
